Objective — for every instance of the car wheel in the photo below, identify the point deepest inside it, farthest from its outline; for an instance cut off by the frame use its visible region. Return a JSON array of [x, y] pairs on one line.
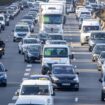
[[3, 28], [82, 44], [19, 52], [43, 72], [76, 89], [4, 84], [102, 97], [93, 59], [0, 56]]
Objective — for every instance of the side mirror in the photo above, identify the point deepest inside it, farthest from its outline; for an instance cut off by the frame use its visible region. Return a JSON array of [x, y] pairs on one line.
[[71, 56], [17, 93], [77, 73], [6, 70], [53, 94], [49, 72], [100, 80]]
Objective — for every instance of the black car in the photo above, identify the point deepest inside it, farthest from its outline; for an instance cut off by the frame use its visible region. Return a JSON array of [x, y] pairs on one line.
[[95, 38], [64, 75], [33, 53], [102, 80], [2, 48], [97, 50], [3, 75], [101, 60]]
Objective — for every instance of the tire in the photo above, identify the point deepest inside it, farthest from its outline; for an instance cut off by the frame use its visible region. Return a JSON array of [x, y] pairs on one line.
[[4, 84], [19, 52], [90, 50], [43, 72], [102, 97], [0, 56], [76, 89], [82, 44], [3, 28]]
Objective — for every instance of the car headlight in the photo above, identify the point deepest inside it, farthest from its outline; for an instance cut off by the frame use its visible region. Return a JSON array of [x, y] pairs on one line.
[[55, 79], [1, 49], [91, 43], [3, 23], [76, 79], [104, 88]]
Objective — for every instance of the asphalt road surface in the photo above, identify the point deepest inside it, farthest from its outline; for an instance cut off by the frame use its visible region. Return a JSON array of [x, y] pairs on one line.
[[90, 88]]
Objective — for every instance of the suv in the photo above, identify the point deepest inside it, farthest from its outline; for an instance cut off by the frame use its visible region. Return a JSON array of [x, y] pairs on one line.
[[95, 38], [64, 75], [102, 80], [21, 30]]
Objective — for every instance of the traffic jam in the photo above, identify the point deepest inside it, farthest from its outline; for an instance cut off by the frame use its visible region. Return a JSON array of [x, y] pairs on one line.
[[40, 39]]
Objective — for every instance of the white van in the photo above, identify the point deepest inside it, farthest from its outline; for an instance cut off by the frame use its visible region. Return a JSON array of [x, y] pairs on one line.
[[55, 53], [87, 26], [32, 89]]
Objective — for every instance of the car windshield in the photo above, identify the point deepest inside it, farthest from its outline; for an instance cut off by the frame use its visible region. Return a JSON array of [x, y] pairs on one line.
[[30, 41], [34, 48], [21, 29], [1, 18], [56, 52], [102, 55], [35, 90], [99, 48], [90, 28], [27, 17], [98, 36], [56, 37], [52, 19], [63, 70]]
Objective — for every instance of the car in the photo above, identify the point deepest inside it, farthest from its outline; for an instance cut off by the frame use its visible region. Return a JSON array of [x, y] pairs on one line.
[[34, 100], [101, 60], [33, 53], [64, 75], [2, 48], [20, 31], [2, 21], [97, 50], [37, 89], [25, 42], [40, 77], [102, 80], [95, 38], [56, 42], [30, 23], [3, 75]]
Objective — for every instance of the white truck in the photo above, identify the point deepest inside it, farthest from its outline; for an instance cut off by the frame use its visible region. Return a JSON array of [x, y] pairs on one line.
[[51, 17], [55, 54], [88, 25]]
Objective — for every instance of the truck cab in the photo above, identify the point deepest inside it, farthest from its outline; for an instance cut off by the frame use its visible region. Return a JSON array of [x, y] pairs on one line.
[[54, 54]]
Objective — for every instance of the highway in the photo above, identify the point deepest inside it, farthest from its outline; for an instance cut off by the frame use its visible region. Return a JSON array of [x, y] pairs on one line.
[[90, 87]]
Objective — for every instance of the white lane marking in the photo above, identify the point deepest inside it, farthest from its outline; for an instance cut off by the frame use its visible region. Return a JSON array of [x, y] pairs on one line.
[[24, 79], [28, 69], [14, 98], [76, 99], [26, 74], [29, 65], [11, 104]]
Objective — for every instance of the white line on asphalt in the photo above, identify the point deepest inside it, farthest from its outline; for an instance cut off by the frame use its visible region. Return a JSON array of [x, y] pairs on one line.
[[14, 98], [26, 74], [29, 65], [28, 69], [76, 99]]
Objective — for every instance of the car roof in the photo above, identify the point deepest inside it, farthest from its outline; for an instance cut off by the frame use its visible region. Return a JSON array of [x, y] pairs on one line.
[[36, 82]]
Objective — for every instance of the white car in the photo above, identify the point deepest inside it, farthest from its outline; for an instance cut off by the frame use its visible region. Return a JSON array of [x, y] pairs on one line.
[[21, 30], [23, 44], [32, 100], [37, 89]]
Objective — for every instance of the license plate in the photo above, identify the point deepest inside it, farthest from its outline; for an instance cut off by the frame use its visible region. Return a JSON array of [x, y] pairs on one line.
[[66, 84]]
